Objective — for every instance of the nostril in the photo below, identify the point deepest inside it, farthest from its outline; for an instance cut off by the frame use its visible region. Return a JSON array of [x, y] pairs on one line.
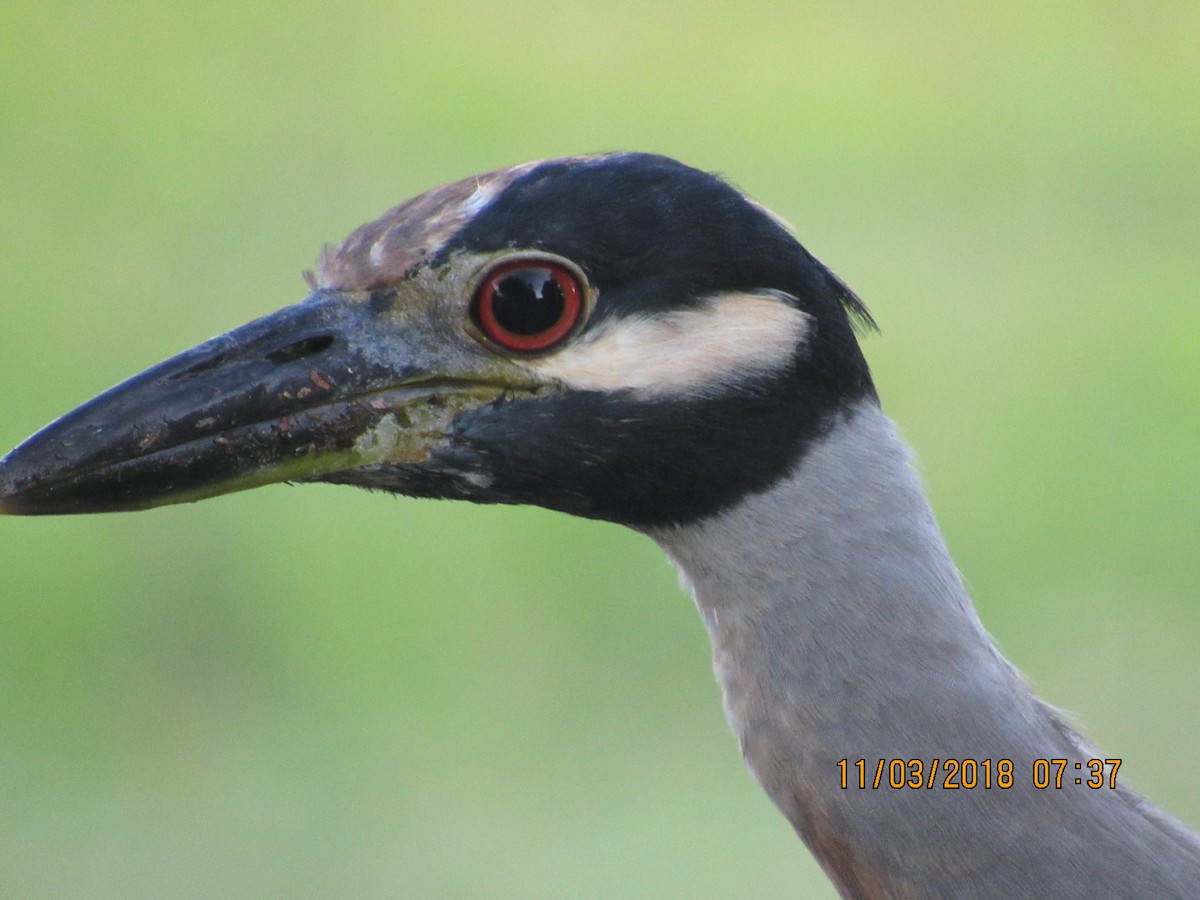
[[203, 366], [300, 349]]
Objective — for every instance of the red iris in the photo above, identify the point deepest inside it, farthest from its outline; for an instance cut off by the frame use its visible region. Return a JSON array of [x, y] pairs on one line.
[[528, 305]]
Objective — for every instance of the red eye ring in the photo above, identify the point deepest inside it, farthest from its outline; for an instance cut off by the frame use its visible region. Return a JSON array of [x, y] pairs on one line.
[[528, 305]]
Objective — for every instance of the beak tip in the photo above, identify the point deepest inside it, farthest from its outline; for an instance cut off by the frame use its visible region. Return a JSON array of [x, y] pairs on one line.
[[10, 505], [16, 477], [23, 483], [8, 490], [10, 498]]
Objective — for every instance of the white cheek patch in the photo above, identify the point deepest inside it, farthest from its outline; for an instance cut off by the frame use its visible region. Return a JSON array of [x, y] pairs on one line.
[[705, 349]]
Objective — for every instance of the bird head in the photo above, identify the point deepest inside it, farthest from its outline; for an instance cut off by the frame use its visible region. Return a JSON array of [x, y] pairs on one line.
[[619, 336]]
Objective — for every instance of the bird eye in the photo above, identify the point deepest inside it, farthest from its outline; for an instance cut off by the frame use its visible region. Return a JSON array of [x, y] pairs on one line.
[[528, 305]]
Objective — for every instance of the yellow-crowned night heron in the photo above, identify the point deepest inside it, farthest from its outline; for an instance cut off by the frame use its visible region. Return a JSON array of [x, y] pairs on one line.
[[625, 338]]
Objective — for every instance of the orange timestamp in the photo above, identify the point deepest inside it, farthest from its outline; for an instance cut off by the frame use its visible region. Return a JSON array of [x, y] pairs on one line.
[[967, 773]]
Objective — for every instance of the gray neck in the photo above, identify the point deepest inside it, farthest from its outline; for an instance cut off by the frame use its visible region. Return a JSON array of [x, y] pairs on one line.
[[841, 630]]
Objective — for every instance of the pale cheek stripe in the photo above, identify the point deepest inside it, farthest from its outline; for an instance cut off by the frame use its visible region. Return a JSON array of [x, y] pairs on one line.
[[730, 338]]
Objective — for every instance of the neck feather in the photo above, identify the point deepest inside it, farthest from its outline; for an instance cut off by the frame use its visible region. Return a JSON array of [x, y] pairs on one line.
[[841, 630]]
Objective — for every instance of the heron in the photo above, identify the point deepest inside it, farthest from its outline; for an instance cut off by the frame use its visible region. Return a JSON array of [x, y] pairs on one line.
[[626, 338]]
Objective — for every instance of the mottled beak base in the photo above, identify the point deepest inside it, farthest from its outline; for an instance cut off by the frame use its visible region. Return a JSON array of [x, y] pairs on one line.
[[333, 383]]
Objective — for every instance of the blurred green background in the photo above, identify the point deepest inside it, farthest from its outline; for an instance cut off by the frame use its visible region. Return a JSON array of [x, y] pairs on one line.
[[315, 692]]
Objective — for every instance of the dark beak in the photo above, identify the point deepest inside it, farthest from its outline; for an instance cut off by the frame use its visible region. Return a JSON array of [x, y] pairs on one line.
[[336, 382]]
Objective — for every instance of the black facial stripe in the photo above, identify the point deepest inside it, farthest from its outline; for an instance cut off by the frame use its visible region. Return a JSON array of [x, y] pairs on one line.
[[635, 461]]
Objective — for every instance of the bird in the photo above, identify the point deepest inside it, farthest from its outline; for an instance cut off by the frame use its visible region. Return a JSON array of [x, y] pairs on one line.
[[623, 337]]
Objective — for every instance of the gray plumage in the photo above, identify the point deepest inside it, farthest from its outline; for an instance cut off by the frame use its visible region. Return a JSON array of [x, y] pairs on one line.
[[840, 627]]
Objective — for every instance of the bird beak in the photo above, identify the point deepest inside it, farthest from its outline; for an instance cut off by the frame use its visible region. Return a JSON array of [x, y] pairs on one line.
[[337, 382]]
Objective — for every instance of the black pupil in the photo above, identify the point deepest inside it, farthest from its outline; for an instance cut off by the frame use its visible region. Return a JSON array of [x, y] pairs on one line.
[[528, 301]]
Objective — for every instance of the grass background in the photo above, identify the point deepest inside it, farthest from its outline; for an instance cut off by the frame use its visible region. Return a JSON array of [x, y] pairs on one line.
[[314, 692]]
